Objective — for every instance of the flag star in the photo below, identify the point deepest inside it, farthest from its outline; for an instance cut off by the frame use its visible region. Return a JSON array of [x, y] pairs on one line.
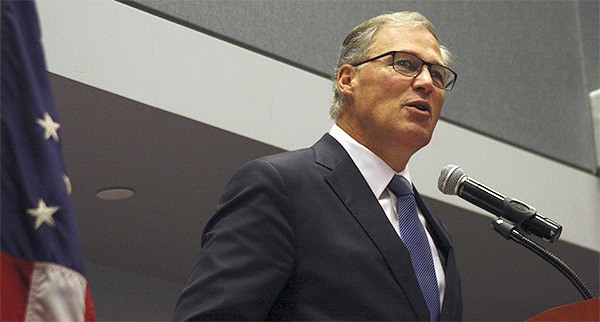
[[50, 127], [68, 185], [43, 214]]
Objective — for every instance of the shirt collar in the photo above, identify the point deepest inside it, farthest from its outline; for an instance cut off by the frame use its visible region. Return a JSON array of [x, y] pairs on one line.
[[376, 172]]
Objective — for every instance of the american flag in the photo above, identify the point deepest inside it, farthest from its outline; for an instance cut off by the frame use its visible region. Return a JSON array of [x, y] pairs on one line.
[[42, 275]]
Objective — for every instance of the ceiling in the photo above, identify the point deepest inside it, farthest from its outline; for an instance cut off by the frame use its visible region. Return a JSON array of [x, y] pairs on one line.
[[176, 166]]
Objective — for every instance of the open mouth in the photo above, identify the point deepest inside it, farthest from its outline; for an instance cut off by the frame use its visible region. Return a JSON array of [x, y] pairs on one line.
[[420, 106]]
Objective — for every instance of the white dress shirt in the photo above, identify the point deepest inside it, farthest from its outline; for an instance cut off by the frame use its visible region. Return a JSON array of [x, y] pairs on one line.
[[378, 175]]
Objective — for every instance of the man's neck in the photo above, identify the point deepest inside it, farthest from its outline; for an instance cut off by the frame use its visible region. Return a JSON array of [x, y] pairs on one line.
[[395, 158]]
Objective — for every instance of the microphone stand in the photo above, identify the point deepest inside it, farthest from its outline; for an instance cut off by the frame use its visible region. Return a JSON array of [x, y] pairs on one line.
[[508, 230]]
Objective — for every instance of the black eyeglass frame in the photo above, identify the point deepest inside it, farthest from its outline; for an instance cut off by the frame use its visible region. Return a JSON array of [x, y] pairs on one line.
[[423, 63]]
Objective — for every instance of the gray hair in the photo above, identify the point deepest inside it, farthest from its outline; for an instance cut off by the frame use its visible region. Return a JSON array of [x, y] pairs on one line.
[[357, 44]]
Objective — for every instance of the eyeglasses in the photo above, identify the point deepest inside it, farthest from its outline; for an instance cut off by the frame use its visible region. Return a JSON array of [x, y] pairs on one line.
[[410, 65]]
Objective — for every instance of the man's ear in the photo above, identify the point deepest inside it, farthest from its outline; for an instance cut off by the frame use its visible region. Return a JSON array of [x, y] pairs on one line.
[[344, 80]]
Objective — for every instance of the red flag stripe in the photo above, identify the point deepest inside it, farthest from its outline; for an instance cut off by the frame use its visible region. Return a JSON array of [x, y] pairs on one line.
[[14, 287]]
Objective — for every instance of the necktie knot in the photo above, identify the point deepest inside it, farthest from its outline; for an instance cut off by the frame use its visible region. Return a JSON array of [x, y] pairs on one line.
[[400, 186]]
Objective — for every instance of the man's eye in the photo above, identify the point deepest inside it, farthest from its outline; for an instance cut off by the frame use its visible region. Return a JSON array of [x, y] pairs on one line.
[[437, 75], [407, 64]]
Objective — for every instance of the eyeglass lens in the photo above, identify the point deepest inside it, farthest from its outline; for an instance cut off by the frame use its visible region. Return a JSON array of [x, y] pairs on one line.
[[411, 65]]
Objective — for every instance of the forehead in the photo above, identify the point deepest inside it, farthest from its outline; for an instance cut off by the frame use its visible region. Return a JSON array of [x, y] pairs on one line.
[[418, 41]]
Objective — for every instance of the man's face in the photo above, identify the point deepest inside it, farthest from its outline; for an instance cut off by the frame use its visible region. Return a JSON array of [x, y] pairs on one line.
[[388, 111]]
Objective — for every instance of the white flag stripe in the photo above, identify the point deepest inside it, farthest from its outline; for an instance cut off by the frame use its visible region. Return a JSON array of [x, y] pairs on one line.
[[57, 293]]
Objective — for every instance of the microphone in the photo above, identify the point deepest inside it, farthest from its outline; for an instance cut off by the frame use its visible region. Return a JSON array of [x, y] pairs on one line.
[[454, 181]]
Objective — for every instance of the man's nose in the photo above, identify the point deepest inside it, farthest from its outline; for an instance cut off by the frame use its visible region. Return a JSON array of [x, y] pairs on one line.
[[423, 80]]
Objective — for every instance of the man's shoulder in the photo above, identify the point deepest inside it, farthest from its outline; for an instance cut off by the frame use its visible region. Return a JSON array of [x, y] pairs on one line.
[[294, 156], [326, 151], [324, 155]]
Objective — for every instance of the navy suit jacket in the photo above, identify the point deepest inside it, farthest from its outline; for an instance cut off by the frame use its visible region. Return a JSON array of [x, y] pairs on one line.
[[300, 236]]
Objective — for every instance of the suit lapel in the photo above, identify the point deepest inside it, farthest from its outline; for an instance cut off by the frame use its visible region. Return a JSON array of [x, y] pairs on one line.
[[348, 183]]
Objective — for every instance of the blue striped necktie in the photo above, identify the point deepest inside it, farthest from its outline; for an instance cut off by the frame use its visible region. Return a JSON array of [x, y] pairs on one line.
[[414, 238]]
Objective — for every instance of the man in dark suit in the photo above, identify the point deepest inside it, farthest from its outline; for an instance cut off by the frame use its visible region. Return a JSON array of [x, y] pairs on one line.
[[315, 234]]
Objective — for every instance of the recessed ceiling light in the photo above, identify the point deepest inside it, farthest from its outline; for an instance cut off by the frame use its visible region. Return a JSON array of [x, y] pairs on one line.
[[115, 194]]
